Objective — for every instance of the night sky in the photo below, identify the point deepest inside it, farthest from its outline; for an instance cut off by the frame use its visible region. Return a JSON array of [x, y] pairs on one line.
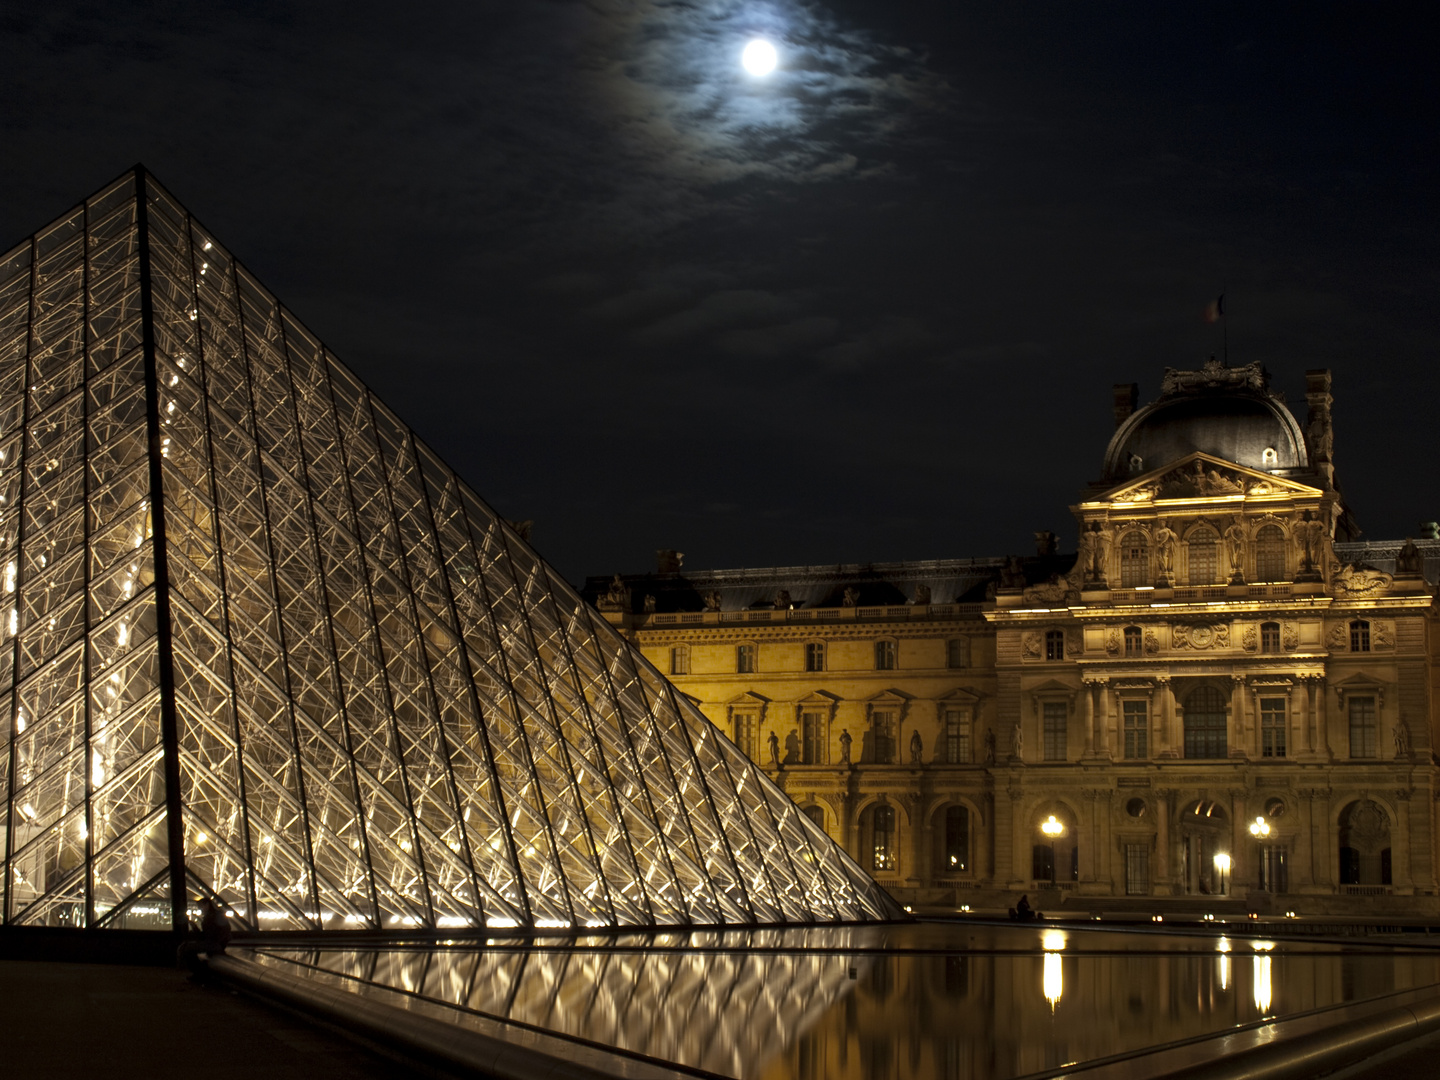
[[868, 308]]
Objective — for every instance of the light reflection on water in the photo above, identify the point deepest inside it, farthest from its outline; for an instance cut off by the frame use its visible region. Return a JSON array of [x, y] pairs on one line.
[[956, 1002]]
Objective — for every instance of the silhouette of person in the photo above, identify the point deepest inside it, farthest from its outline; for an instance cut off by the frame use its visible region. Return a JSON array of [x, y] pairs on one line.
[[214, 928], [1023, 911]]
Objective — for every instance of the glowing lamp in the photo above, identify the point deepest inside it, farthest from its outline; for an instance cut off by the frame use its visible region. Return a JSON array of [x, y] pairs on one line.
[[1052, 828], [1260, 829], [1222, 863]]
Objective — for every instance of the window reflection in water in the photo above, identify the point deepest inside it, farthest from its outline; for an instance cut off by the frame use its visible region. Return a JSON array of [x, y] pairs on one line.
[[905, 1003]]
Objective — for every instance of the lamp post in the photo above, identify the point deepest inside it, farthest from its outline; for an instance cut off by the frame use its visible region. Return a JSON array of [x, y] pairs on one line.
[[1260, 829], [1222, 871], [1053, 830]]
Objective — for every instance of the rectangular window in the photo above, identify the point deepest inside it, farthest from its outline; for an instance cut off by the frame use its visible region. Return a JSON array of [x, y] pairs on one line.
[[1363, 730], [745, 733], [957, 736], [1054, 644], [745, 659], [1359, 636], [1270, 637], [1274, 871], [1137, 729], [815, 656], [1203, 561], [1055, 716], [1137, 870], [680, 660], [883, 839], [957, 653], [882, 738], [1273, 725], [812, 727], [884, 656]]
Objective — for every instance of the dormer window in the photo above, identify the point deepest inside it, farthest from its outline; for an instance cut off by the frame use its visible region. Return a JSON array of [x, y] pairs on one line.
[[1137, 463], [1270, 457]]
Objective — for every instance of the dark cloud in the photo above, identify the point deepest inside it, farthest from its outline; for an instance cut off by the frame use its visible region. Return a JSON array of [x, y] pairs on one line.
[[867, 308]]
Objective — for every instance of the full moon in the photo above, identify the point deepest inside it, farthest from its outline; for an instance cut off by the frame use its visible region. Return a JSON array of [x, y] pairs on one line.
[[759, 57]]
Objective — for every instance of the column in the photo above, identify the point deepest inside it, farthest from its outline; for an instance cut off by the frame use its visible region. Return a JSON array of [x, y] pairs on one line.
[[1167, 716], [1242, 852], [1309, 714], [1238, 720], [1400, 845], [1322, 726], [1161, 876], [1107, 722], [1087, 715]]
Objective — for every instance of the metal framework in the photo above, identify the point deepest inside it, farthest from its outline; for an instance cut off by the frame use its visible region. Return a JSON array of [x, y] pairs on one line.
[[258, 643]]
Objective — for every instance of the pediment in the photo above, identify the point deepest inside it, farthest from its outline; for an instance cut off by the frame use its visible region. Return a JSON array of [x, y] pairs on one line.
[[890, 696], [963, 694], [819, 696], [1053, 686], [749, 697], [1203, 476]]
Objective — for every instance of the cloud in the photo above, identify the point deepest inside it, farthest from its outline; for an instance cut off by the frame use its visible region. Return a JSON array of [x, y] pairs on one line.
[[720, 311], [783, 339], [889, 339]]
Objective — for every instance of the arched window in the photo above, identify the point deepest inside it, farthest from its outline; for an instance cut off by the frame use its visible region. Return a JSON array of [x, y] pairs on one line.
[[1270, 554], [1205, 723], [1134, 561], [815, 814], [680, 660], [957, 840], [1364, 844], [1133, 646], [882, 838], [884, 656], [1359, 636], [1204, 557], [1270, 637]]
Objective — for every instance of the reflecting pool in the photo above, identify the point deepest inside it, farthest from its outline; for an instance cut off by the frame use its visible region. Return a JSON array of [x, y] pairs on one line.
[[931, 1000]]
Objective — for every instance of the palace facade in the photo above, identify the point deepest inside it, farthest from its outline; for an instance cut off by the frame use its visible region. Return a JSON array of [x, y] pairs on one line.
[[1223, 692]]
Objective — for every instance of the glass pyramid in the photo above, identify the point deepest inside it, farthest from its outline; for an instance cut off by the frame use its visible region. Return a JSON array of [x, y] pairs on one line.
[[257, 642]]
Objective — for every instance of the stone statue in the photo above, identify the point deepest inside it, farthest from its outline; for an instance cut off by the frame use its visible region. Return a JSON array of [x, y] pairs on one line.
[[1093, 542], [782, 600], [989, 747], [1409, 562], [1017, 742], [712, 601], [849, 598], [1402, 739], [774, 742], [1235, 547], [616, 598], [922, 595], [1165, 551], [649, 602], [845, 742], [1012, 576], [917, 746]]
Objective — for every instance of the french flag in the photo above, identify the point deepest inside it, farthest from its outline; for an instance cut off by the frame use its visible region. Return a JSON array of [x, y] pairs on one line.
[[1215, 309]]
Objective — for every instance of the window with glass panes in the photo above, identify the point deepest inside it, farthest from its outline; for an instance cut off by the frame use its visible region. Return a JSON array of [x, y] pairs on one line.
[[1359, 636], [957, 736], [815, 656], [884, 656], [1273, 726], [1205, 723], [882, 838], [680, 660], [1364, 728], [1132, 641], [1054, 715], [957, 653], [882, 737], [812, 739], [1054, 644], [1270, 554], [1270, 637], [1137, 869], [1204, 560], [745, 659], [957, 839], [1136, 716], [745, 732], [1134, 561]]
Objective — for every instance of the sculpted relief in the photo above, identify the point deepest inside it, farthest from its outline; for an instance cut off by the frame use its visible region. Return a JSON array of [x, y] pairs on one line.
[[1354, 580], [1030, 646], [1200, 636]]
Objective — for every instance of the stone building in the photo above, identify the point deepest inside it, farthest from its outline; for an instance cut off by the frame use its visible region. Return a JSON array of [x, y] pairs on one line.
[[1224, 692]]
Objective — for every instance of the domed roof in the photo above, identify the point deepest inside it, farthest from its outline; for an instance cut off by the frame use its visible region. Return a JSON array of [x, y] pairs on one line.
[[1227, 412]]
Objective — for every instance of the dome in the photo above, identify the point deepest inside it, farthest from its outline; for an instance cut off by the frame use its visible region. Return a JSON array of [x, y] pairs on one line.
[[1229, 413]]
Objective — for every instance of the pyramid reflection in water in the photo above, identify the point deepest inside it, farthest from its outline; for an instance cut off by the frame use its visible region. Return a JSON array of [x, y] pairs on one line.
[[249, 617]]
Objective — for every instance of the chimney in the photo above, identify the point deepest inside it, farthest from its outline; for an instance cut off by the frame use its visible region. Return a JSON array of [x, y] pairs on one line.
[[1319, 434], [1045, 543], [1127, 395], [668, 560]]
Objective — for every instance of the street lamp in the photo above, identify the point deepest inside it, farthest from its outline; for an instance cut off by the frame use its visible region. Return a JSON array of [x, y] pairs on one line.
[[1222, 870], [1053, 830], [1260, 829]]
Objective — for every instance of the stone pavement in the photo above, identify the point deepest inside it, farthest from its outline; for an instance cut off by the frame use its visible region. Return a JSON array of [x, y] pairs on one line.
[[66, 1021]]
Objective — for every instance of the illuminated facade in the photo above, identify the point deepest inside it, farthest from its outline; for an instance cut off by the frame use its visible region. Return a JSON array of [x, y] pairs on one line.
[[1223, 694], [260, 644]]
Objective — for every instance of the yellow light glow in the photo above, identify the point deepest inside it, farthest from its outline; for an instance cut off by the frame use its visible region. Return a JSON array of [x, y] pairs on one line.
[[1222, 863], [1260, 827], [1052, 940], [1054, 979], [1052, 827], [1263, 988]]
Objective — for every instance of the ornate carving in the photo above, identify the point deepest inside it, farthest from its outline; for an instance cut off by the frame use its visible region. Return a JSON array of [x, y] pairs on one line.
[[917, 747], [1152, 643], [1354, 580], [849, 598], [1049, 592], [1196, 480], [649, 603], [1235, 548], [845, 741], [1290, 635], [1030, 646], [922, 595], [1382, 635], [1409, 562], [989, 746], [1214, 374], [1094, 543], [1338, 639], [782, 600], [712, 601], [1017, 742], [1165, 552], [1249, 639], [1402, 739], [1113, 643], [1012, 576], [1075, 643], [616, 598], [1200, 635]]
